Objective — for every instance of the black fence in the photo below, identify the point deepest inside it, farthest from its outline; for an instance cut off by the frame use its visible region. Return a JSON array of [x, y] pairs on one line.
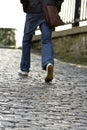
[[74, 11]]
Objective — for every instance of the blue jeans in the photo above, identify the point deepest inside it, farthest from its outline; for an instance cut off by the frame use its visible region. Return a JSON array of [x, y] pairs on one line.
[[32, 21]]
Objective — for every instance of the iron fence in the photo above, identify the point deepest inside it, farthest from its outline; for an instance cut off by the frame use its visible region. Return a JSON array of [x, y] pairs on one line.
[[83, 12], [73, 11]]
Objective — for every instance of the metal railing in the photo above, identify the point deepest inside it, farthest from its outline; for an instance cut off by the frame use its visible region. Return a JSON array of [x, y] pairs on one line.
[[73, 11], [83, 12]]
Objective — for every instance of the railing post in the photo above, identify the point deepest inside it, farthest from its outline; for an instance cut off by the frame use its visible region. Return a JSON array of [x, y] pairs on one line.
[[77, 13]]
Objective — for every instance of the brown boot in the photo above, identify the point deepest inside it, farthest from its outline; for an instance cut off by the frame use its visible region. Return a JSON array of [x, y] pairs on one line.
[[49, 76]]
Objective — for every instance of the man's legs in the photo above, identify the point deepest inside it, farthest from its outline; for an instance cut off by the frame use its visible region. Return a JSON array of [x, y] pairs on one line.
[[47, 51], [26, 44], [47, 45]]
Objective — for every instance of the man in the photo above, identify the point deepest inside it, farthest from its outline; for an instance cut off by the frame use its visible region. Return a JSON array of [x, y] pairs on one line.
[[34, 18]]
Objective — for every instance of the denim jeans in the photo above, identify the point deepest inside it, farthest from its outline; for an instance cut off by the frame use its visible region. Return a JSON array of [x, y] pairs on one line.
[[32, 21]]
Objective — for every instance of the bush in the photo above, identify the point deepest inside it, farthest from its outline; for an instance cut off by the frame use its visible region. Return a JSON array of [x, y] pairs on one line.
[[7, 36]]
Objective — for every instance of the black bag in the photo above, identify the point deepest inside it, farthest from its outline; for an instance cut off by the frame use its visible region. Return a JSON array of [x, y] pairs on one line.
[[51, 14]]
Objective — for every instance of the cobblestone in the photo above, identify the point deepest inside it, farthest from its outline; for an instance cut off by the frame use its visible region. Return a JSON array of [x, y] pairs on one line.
[[31, 104]]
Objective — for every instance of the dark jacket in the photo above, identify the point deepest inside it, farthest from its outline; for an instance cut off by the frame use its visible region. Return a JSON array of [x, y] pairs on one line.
[[24, 4], [34, 6], [59, 4]]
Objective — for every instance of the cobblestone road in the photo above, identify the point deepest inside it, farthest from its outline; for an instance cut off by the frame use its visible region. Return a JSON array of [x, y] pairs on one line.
[[31, 104]]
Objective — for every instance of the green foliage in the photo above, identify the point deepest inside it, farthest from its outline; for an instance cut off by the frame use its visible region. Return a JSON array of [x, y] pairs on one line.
[[7, 36]]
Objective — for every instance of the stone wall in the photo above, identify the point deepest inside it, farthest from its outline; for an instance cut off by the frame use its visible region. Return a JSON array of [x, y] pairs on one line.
[[69, 45]]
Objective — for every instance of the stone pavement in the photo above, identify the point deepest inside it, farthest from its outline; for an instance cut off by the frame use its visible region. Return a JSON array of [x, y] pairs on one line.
[[31, 104]]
